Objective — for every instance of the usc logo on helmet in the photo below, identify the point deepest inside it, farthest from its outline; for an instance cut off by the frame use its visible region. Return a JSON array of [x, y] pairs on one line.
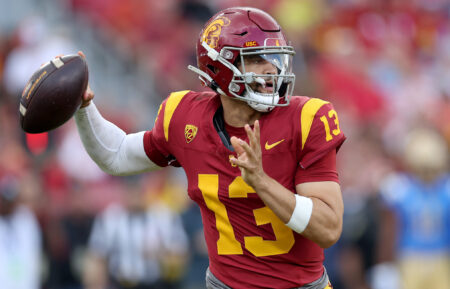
[[250, 44], [212, 32]]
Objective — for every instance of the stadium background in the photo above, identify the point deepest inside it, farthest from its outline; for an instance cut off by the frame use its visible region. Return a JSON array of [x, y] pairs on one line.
[[384, 64]]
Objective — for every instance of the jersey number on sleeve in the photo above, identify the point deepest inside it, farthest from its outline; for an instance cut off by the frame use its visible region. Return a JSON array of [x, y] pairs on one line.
[[332, 114], [227, 243]]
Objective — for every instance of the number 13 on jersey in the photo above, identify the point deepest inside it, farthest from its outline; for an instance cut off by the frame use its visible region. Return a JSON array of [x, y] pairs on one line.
[[227, 243], [332, 114]]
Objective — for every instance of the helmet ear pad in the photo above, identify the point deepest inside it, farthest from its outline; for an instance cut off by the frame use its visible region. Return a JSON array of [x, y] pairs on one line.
[[221, 74]]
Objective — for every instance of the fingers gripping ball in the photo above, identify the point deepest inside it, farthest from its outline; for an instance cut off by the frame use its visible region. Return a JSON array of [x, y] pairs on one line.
[[53, 94]]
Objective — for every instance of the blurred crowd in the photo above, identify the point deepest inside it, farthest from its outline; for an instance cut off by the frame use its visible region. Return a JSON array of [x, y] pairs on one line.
[[384, 64]]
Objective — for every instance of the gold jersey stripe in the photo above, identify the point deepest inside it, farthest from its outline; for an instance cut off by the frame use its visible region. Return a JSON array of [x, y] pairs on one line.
[[171, 104], [157, 114], [309, 110]]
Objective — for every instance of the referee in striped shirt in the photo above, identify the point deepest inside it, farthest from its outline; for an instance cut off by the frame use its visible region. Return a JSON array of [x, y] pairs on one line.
[[133, 245]]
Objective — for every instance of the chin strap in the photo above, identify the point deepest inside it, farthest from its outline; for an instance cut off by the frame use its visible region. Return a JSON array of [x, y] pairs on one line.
[[204, 75], [206, 79]]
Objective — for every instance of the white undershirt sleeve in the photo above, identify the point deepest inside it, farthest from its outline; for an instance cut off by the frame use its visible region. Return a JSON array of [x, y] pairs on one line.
[[114, 151]]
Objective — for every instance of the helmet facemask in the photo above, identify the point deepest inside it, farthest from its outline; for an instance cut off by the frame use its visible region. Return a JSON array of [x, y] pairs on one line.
[[264, 91], [247, 85]]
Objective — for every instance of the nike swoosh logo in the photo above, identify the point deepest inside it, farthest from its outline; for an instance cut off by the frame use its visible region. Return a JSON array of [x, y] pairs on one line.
[[271, 146]]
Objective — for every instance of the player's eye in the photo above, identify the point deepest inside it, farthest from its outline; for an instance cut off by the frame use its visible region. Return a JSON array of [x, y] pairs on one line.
[[254, 59]]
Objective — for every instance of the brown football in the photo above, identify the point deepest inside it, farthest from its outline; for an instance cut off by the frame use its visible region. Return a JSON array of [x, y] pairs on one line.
[[53, 94]]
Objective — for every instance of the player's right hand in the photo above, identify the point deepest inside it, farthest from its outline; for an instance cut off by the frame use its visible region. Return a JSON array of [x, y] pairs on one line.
[[249, 156], [88, 94], [87, 97]]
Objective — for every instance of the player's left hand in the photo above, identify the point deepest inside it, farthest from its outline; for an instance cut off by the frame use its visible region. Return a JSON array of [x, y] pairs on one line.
[[249, 156]]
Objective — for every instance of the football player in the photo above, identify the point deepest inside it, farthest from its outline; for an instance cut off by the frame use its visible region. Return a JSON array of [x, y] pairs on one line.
[[260, 163]]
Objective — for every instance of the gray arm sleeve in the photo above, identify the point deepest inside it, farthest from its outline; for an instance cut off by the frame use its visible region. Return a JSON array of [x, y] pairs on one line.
[[114, 151]]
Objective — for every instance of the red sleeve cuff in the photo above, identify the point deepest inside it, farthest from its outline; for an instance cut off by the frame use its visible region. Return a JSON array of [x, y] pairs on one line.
[[152, 152], [322, 170]]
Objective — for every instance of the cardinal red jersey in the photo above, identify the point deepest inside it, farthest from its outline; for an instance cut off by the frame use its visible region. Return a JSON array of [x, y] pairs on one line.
[[248, 245]]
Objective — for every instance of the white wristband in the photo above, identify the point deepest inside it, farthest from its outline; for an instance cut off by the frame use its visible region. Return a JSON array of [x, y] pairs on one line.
[[301, 214]]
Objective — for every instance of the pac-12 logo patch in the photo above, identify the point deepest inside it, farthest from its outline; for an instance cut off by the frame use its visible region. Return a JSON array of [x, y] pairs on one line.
[[190, 131], [212, 32]]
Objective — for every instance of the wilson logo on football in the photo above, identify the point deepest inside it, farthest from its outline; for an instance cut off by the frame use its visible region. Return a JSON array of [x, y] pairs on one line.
[[190, 131], [211, 35], [32, 85]]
